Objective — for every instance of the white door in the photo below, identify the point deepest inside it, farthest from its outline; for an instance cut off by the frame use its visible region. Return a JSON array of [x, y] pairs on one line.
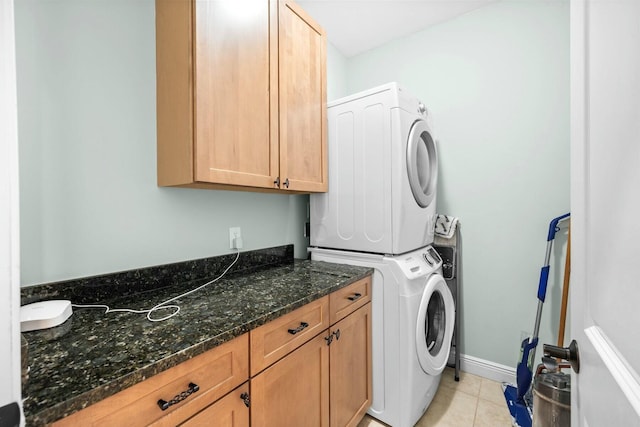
[[605, 211], [9, 229]]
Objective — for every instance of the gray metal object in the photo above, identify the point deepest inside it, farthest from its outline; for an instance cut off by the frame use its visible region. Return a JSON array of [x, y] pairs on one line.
[[570, 354], [450, 250], [448, 255], [536, 327], [552, 400]]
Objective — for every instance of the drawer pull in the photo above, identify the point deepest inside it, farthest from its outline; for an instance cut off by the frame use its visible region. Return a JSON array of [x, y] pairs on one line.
[[164, 405], [355, 296], [299, 328]]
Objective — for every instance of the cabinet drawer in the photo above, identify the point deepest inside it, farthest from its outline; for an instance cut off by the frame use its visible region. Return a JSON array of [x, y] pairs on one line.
[[216, 372], [279, 337], [350, 298]]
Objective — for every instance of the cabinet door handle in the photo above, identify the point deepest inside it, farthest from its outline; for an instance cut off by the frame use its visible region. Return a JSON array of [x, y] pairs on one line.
[[164, 405], [329, 339], [354, 296], [246, 399], [333, 335], [277, 182], [299, 328], [286, 182]]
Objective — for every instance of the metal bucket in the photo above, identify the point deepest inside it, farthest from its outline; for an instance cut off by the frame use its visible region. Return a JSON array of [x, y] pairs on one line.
[[552, 400]]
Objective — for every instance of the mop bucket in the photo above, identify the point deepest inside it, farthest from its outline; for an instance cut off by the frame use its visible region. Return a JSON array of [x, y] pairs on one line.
[[552, 400]]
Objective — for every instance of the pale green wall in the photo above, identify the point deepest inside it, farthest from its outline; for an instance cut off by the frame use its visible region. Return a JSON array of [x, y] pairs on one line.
[[497, 82], [336, 73], [87, 136]]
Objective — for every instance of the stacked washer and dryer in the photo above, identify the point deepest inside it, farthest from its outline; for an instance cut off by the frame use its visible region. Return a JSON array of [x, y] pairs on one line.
[[379, 212]]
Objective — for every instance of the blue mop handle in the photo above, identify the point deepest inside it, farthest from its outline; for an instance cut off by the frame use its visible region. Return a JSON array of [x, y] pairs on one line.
[[544, 271], [542, 284], [553, 227]]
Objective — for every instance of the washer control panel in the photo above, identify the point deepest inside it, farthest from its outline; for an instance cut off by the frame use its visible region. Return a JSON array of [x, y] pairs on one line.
[[412, 266], [419, 263], [432, 257]]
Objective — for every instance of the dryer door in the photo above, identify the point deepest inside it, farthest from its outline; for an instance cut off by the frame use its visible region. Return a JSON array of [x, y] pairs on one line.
[[436, 318], [422, 163]]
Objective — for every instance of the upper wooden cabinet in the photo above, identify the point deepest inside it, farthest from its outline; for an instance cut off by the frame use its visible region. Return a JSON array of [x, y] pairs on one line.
[[302, 83], [241, 96]]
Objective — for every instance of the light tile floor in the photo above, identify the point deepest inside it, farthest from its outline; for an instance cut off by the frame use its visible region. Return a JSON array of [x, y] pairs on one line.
[[472, 402]]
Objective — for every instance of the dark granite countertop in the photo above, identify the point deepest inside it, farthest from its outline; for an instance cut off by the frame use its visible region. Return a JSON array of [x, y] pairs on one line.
[[94, 355]]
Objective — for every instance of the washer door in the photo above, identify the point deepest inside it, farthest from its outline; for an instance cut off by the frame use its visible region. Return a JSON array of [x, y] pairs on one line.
[[436, 318], [422, 163]]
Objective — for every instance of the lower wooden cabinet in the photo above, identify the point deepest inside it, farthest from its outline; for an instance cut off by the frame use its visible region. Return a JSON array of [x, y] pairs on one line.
[[295, 390], [306, 370], [350, 372], [215, 373], [325, 382], [328, 380]]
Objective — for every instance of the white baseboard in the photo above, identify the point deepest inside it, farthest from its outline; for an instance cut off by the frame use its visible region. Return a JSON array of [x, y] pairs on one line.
[[486, 369]]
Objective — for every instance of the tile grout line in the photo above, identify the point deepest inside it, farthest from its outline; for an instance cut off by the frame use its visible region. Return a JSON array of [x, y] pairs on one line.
[[475, 414]]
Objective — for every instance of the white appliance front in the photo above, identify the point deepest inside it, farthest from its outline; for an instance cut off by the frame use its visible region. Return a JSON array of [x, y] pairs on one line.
[[402, 388], [383, 173]]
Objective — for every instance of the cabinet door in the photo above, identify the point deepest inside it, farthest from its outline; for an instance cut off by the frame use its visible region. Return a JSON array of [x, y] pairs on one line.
[[295, 390], [350, 373], [234, 143], [302, 94], [230, 411]]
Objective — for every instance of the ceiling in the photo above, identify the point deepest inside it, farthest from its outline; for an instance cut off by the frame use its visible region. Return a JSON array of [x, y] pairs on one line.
[[355, 26]]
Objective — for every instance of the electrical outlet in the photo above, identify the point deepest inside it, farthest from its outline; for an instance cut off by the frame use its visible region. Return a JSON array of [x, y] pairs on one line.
[[235, 238]]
